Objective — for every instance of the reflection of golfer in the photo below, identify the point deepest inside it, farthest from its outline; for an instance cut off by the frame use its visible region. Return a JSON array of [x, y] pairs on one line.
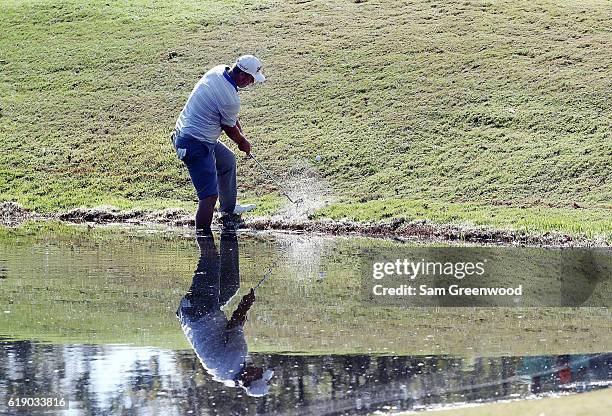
[[218, 342]]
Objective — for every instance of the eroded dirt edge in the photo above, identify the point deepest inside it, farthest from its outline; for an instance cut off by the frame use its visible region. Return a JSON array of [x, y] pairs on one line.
[[13, 215]]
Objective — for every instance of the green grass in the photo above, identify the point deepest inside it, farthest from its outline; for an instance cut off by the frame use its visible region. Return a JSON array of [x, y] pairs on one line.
[[463, 102]]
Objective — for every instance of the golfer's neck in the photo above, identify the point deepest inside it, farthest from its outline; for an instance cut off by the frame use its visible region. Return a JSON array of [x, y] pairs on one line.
[[232, 75]]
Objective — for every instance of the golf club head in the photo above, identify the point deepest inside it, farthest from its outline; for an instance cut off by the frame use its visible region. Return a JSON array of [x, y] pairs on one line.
[[296, 201]]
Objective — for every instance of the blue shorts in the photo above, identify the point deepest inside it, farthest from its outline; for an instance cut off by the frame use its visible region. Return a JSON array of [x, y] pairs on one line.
[[199, 157]]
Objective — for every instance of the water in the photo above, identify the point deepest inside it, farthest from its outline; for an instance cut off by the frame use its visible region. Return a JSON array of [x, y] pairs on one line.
[[119, 379], [92, 316]]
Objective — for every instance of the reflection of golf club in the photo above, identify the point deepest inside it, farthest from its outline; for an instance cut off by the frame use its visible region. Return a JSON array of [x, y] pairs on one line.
[[274, 180], [264, 278]]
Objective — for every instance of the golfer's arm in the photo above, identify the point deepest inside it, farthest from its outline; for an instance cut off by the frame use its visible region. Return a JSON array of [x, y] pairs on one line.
[[238, 318], [240, 314], [234, 133], [234, 322]]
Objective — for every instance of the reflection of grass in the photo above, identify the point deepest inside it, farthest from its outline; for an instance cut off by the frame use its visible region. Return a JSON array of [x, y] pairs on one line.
[[398, 100], [39, 230], [95, 287], [593, 403]]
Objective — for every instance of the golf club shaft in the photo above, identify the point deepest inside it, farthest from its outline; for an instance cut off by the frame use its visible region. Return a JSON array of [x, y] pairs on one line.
[[271, 177]]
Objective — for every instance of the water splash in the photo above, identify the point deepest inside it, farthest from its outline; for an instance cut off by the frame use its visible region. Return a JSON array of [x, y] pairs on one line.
[[310, 191]]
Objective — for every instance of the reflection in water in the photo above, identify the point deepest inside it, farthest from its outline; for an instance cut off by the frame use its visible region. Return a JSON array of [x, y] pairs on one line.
[[76, 293], [152, 381], [218, 342]]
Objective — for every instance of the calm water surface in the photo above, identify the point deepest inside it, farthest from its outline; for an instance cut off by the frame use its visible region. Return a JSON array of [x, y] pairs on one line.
[[143, 324]]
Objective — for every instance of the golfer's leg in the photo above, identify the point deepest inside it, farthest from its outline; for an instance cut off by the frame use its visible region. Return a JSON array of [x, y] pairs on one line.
[[203, 218], [200, 161], [226, 177]]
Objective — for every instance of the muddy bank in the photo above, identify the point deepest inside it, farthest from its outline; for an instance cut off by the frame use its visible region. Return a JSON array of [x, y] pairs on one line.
[[424, 230], [12, 214]]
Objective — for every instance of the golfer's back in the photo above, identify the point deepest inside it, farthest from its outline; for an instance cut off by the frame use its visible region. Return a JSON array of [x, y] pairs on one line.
[[213, 101]]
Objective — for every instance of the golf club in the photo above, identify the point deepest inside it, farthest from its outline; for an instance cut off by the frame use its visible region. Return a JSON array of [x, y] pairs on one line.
[[280, 187]]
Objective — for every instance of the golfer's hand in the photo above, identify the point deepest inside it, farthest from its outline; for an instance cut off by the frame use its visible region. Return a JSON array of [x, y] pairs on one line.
[[245, 146]]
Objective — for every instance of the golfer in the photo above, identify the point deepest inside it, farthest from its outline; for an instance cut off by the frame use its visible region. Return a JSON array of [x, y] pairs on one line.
[[212, 107]]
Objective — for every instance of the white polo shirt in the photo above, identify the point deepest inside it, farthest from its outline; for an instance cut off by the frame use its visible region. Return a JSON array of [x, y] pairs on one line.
[[213, 101]]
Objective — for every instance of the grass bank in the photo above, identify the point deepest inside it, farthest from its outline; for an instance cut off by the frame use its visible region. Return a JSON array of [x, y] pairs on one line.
[[476, 108]]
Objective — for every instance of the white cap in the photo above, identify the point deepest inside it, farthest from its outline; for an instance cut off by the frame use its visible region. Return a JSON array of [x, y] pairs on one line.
[[251, 65], [260, 387]]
